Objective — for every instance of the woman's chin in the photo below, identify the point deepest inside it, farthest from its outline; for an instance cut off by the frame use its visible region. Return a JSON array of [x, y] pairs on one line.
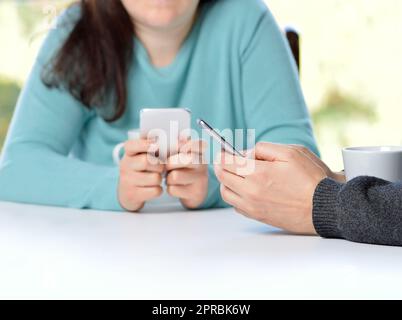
[[164, 20], [164, 3]]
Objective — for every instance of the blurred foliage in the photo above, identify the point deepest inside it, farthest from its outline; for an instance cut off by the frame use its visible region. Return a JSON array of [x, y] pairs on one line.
[[338, 111], [29, 17], [9, 91], [335, 114]]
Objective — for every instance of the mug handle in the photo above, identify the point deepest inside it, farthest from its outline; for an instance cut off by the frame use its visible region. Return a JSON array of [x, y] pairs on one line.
[[116, 153]]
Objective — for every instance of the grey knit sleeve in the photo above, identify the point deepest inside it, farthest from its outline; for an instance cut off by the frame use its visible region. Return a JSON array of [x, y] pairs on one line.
[[366, 209]]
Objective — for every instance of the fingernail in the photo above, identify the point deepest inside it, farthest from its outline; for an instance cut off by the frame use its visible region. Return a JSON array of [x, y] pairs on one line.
[[153, 148]]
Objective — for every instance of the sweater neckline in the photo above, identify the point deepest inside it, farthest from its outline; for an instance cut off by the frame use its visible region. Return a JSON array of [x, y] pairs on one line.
[[179, 62]]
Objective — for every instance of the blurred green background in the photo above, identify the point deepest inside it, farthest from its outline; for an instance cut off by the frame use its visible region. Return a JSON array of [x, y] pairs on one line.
[[351, 73]]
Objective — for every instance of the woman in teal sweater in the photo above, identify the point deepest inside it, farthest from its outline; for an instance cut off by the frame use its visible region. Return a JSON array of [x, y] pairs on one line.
[[226, 60]]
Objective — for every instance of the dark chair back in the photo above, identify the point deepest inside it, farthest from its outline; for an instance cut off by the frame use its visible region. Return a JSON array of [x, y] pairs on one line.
[[294, 42]]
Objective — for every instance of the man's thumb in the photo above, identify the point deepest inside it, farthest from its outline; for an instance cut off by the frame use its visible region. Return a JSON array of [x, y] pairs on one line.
[[272, 151]]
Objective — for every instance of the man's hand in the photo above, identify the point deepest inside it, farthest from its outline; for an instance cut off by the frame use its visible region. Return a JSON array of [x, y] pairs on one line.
[[279, 190]]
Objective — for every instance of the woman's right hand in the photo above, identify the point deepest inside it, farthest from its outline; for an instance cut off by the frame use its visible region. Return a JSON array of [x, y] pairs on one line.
[[140, 175]]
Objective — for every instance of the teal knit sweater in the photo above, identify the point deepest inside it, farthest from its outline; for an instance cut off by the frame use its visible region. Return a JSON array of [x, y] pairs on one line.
[[234, 70]]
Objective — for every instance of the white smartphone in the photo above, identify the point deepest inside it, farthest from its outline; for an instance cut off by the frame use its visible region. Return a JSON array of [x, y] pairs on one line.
[[226, 146], [167, 126]]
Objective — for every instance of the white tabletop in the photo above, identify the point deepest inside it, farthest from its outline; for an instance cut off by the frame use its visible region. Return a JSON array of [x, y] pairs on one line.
[[61, 253]]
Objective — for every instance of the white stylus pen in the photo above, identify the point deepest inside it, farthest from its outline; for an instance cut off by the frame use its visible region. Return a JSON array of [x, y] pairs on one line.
[[217, 137]]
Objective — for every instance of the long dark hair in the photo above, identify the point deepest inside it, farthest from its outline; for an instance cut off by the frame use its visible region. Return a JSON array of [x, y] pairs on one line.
[[94, 61]]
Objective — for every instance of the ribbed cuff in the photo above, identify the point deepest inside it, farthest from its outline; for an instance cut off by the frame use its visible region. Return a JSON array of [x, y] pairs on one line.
[[104, 196], [325, 205]]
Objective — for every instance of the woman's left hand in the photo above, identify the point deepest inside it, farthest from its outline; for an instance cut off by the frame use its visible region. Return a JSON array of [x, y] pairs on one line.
[[187, 177]]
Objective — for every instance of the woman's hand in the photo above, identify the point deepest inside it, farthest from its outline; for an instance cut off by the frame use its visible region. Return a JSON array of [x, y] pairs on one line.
[[187, 177], [280, 187], [140, 175]]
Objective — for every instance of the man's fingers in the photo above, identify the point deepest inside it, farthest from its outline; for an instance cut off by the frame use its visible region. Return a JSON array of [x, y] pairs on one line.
[[237, 165], [233, 199], [242, 206], [230, 180], [309, 154], [306, 152], [302, 149], [274, 152], [284, 153]]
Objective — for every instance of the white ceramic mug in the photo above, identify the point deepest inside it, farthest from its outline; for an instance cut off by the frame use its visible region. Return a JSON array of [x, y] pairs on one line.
[[380, 162], [132, 135], [165, 200]]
